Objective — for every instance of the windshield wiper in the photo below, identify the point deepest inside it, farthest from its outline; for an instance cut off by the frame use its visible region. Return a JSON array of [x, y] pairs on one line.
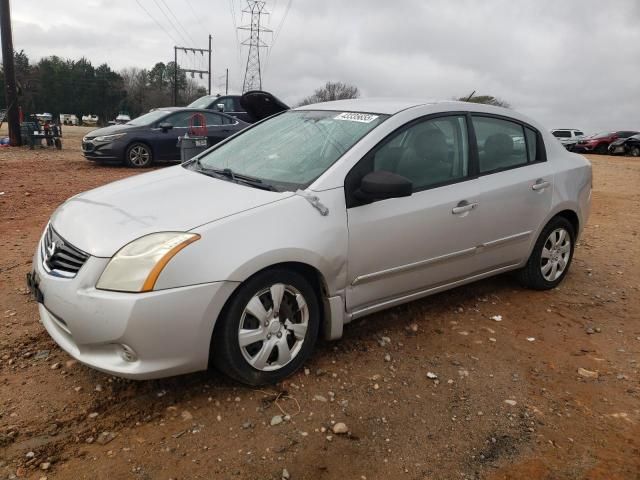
[[237, 177]]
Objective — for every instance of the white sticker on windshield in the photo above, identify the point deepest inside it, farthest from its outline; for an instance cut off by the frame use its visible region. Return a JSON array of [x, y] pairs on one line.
[[356, 117]]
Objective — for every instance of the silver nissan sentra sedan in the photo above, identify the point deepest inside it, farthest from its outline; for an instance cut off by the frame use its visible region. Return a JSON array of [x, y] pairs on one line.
[[294, 227]]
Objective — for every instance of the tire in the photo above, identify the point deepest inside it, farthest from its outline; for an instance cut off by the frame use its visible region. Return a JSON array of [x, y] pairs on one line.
[[540, 273], [262, 359], [602, 149], [635, 151], [138, 155]]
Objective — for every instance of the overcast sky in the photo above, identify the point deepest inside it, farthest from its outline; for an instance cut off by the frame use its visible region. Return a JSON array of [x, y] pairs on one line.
[[567, 63]]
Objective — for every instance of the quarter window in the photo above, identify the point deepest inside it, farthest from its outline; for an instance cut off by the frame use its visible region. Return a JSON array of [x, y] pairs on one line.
[[430, 153], [501, 143], [532, 144]]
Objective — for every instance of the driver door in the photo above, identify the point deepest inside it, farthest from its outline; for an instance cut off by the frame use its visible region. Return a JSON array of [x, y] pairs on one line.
[[166, 141], [401, 246]]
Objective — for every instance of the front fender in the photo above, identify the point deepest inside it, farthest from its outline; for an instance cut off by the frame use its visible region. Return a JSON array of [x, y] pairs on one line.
[[292, 230]]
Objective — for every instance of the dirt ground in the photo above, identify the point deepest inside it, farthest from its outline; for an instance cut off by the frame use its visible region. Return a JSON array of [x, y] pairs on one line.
[[503, 406]]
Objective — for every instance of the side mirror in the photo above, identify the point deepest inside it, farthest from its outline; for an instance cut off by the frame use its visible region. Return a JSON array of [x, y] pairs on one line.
[[165, 126], [220, 107], [380, 185]]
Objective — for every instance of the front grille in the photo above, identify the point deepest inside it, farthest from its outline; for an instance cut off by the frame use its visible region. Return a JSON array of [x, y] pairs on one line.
[[60, 257]]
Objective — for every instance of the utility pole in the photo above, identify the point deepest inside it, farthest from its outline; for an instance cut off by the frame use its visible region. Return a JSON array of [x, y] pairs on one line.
[[209, 64], [253, 74], [226, 84], [11, 93], [192, 71], [175, 76]]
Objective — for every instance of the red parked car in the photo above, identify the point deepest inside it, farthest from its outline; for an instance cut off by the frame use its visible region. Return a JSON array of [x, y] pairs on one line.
[[599, 142]]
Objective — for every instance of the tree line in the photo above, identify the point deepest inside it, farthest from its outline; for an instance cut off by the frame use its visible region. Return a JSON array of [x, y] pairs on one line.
[[56, 85]]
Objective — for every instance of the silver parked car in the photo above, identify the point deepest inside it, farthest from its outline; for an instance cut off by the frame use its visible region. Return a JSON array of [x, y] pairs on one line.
[[300, 224]]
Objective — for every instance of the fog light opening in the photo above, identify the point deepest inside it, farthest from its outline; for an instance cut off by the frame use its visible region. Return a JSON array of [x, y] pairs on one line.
[[127, 353]]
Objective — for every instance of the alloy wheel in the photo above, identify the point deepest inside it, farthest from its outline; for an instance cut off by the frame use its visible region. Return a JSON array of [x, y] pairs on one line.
[[556, 253], [273, 327], [139, 156]]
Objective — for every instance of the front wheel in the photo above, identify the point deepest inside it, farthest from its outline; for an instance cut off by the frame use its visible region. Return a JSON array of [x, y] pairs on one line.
[[269, 328], [138, 155], [602, 149], [635, 151], [551, 256]]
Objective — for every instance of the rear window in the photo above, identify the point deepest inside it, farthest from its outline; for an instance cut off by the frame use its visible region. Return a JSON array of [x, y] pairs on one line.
[[501, 143]]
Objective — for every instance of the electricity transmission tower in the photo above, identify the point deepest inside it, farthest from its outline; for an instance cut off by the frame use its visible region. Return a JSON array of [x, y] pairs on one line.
[[252, 75]]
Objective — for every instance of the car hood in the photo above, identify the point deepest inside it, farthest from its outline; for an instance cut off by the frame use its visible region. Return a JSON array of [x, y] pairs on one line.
[[103, 220], [110, 130]]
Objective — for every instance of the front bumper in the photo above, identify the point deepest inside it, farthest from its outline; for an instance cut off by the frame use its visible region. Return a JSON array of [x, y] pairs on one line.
[[582, 148], [169, 330], [102, 151], [617, 150]]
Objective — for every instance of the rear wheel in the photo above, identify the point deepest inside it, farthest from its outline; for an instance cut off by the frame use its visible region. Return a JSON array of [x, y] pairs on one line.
[[602, 149], [551, 256], [269, 328], [138, 155], [635, 151]]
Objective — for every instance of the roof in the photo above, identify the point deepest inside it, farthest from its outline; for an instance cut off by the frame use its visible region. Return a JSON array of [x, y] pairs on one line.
[[387, 106]]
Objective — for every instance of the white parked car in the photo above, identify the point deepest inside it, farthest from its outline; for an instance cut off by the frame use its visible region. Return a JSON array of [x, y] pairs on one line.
[[298, 225], [568, 137]]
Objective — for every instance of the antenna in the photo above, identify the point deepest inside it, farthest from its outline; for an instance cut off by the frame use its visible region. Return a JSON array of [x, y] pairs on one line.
[[252, 75]]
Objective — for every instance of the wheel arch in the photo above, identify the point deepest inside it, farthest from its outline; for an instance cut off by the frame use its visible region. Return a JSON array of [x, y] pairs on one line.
[[567, 211], [331, 319], [572, 217], [138, 140]]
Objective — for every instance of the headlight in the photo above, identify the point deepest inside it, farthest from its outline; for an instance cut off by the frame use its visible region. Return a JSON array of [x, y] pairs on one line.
[[109, 138], [137, 266]]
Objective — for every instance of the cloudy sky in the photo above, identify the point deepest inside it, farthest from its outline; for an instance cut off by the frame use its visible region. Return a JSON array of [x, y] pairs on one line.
[[567, 63]]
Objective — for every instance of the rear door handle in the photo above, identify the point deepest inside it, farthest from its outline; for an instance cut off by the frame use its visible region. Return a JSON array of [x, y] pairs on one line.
[[463, 207], [540, 185]]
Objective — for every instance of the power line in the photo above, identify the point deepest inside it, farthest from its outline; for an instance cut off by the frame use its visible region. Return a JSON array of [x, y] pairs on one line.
[[281, 24], [156, 21], [196, 17], [184, 39], [178, 21], [277, 32]]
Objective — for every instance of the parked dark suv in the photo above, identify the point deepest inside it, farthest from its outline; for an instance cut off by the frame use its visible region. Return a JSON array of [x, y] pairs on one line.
[[229, 104], [236, 105]]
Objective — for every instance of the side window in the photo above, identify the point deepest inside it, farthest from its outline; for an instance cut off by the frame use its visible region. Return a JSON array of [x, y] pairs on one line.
[[501, 143], [228, 103], [578, 133], [236, 105], [429, 153], [562, 134], [213, 119], [179, 120]]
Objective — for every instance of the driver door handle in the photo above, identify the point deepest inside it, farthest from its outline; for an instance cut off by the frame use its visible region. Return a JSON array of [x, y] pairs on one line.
[[463, 207], [540, 184]]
